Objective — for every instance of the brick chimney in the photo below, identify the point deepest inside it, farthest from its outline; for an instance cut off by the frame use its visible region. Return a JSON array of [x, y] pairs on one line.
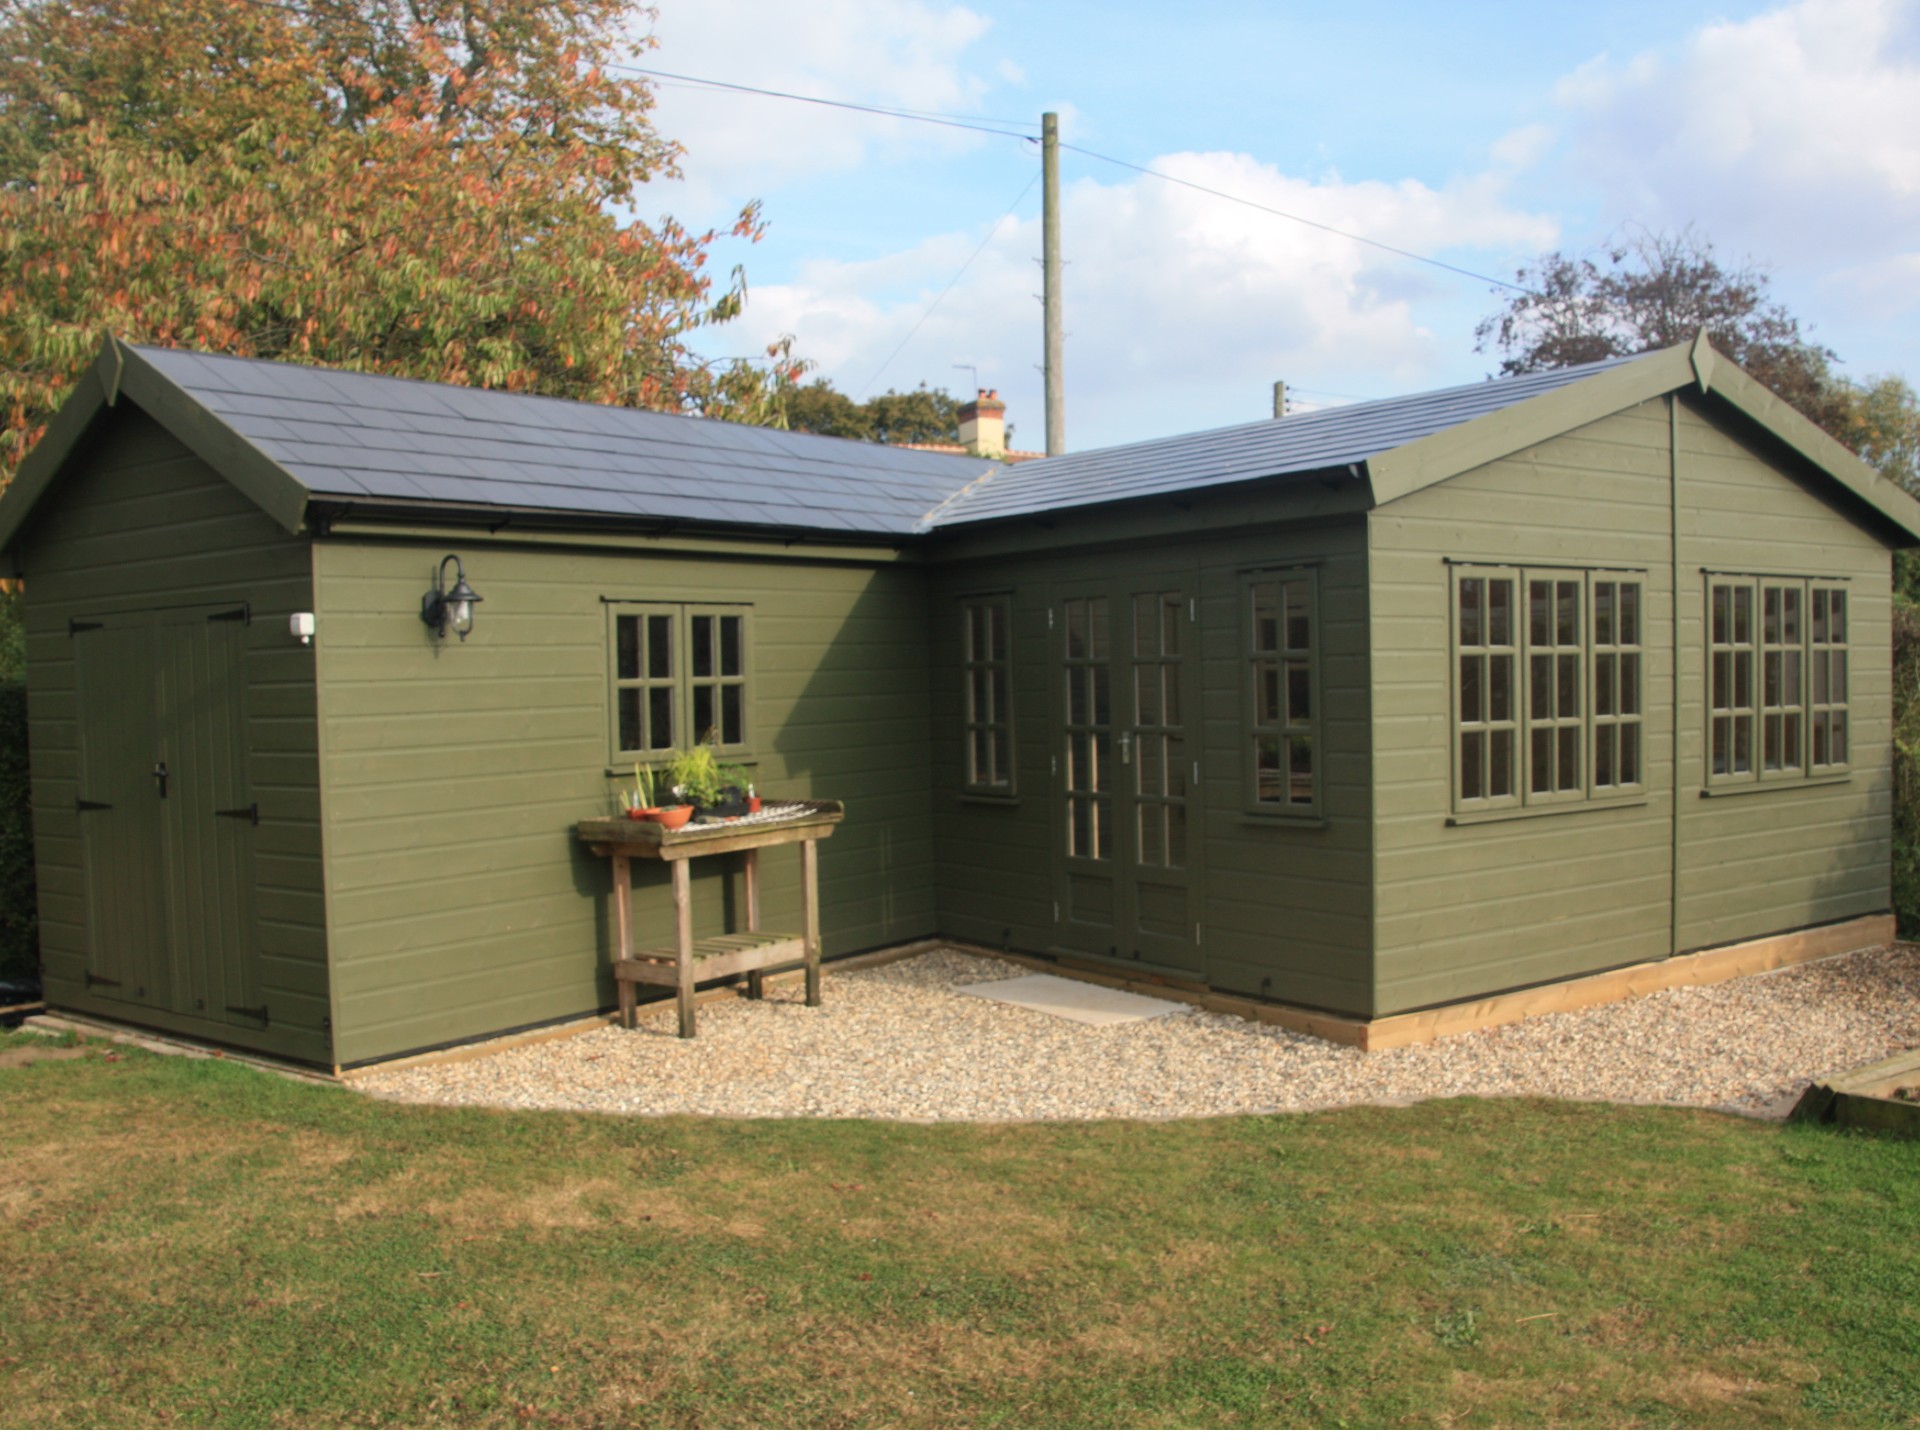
[[983, 424]]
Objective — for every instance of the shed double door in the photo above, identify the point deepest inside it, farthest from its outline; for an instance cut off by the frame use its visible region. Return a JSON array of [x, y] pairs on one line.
[[167, 817], [1126, 735]]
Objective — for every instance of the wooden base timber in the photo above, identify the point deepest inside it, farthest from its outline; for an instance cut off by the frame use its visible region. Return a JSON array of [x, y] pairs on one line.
[[1874, 1097], [1699, 967]]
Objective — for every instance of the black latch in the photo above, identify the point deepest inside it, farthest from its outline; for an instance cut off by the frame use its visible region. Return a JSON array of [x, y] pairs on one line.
[[74, 627], [259, 1015], [93, 979], [252, 812], [244, 615], [85, 805]]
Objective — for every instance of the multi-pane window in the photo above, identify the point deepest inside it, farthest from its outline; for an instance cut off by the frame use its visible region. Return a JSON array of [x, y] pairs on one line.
[[679, 677], [1281, 674], [1776, 678], [1546, 685], [985, 662]]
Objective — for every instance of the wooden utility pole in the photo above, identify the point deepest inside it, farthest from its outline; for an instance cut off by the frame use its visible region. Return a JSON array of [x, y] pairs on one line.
[[1279, 399], [1050, 272]]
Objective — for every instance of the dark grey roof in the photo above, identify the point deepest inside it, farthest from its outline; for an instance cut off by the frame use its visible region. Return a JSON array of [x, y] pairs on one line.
[[364, 436], [1264, 449]]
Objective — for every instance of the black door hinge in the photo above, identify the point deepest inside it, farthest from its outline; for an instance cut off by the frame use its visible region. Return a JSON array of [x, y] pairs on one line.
[[85, 805], [244, 614], [252, 812], [74, 627], [93, 979], [260, 1014]]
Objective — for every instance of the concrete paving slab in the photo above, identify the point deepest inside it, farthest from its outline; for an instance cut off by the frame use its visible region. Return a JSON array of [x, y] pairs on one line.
[[1073, 999]]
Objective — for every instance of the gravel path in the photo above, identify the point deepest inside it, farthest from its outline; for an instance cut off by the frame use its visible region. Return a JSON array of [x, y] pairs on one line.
[[897, 1043]]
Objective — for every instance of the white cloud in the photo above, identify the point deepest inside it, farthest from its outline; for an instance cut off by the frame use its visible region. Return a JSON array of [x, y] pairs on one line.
[[903, 54], [1181, 308], [1793, 136]]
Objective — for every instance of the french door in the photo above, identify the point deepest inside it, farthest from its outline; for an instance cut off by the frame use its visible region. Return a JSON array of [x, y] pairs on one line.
[[1126, 768]]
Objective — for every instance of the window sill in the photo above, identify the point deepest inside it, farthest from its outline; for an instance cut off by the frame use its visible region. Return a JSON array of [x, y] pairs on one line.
[[972, 797], [1281, 822], [1529, 812], [1724, 790], [658, 762]]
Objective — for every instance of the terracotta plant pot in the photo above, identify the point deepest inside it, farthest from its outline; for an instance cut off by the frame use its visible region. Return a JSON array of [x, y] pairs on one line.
[[672, 817], [649, 812], [753, 804]]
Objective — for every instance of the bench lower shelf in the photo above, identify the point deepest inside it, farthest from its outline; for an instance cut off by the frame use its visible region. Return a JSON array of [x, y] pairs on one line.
[[715, 958]]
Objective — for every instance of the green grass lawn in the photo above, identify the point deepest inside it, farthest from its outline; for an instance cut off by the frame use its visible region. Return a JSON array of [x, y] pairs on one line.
[[196, 1243]]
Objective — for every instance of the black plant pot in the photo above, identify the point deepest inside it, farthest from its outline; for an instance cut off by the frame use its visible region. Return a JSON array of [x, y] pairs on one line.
[[731, 805]]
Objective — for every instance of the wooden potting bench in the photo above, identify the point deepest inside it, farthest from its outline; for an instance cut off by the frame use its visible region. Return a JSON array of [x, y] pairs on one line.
[[751, 951]]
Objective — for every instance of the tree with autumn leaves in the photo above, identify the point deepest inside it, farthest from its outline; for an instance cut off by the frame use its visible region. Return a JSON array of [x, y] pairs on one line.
[[441, 189]]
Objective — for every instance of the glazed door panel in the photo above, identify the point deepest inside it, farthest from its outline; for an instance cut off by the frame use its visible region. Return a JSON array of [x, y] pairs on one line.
[[1126, 842]]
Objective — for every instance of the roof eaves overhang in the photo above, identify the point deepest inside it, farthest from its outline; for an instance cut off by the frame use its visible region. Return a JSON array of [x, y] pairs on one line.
[[1728, 383], [116, 371], [1427, 461], [92, 395], [344, 515]]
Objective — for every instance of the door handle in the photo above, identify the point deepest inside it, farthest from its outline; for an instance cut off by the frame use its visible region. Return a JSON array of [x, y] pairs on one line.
[[160, 774], [1126, 746]]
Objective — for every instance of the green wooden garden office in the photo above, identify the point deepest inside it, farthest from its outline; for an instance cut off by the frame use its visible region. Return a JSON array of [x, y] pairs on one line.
[[1365, 711]]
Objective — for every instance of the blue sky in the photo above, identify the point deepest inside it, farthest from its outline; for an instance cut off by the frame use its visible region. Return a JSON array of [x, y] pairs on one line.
[[1479, 134]]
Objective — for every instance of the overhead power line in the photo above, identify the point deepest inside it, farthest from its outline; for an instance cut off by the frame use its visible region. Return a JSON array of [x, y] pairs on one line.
[[925, 117], [992, 231]]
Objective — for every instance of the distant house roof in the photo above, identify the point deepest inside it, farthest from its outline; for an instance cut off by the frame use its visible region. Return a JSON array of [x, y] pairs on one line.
[[289, 436]]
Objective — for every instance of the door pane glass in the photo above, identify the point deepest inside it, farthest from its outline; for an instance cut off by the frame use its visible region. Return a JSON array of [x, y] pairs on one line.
[[1540, 612], [1146, 694], [1499, 613], [1300, 781], [703, 717], [1146, 632], [1170, 624], [1176, 765], [1742, 615], [1567, 621], [1079, 693], [1102, 828], [1499, 687], [731, 647], [1542, 780], [1629, 684], [1603, 614], [1097, 628], [1630, 614], [1602, 750], [1569, 689], [1102, 700], [1300, 694], [1150, 774], [1839, 746], [1266, 693], [1567, 776], [1629, 754], [1471, 711], [1076, 629], [1153, 835]]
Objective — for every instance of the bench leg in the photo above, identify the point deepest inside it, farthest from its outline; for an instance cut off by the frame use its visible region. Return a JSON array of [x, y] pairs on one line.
[[755, 990], [683, 926], [628, 1018], [810, 889]]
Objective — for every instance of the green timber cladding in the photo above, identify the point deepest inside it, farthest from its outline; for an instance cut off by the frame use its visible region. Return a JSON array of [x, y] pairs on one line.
[[1216, 682]]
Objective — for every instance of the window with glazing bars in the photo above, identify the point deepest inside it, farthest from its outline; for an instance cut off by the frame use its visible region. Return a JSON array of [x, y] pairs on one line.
[[1776, 678], [1283, 677], [986, 663], [679, 677], [1547, 686]]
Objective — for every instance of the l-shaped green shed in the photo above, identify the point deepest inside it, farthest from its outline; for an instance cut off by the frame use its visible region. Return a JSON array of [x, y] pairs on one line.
[[1364, 711]]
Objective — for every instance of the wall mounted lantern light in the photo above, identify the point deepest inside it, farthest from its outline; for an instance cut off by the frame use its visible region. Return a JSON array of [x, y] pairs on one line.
[[445, 609]]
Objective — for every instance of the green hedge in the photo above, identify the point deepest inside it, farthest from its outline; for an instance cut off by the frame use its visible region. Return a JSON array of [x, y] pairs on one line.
[[1906, 766], [19, 920]]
